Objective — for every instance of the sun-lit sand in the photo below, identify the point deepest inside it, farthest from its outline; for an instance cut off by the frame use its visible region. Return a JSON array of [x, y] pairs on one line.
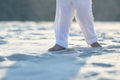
[[24, 56]]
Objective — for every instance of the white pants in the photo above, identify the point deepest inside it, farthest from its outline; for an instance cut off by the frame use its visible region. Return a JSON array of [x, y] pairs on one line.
[[65, 12]]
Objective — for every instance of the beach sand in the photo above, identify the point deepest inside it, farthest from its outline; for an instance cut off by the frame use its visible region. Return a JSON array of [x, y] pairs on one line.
[[24, 55]]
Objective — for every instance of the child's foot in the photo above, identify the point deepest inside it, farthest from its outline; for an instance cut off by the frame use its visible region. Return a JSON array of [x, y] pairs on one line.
[[96, 44], [56, 48]]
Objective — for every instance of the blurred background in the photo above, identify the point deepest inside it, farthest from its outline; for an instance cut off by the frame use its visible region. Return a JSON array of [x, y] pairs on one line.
[[44, 10]]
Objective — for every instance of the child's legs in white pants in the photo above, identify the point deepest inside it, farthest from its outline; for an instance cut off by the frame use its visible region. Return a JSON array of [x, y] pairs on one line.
[[63, 19], [84, 15], [64, 15]]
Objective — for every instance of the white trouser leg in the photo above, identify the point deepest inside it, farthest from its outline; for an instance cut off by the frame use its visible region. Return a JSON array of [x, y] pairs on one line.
[[63, 19], [85, 19]]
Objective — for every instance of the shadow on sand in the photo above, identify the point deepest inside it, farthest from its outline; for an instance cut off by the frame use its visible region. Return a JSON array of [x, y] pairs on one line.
[[61, 65]]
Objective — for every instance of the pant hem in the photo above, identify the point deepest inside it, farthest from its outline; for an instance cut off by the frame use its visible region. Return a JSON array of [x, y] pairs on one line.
[[62, 43], [90, 41]]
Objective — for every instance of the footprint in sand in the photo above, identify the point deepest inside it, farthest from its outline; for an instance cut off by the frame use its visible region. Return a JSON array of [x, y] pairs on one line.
[[20, 57], [102, 65], [1, 37], [2, 59], [2, 42], [91, 74]]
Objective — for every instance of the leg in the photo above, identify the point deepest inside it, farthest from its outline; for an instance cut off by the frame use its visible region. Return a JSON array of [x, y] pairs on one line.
[[85, 19], [63, 19]]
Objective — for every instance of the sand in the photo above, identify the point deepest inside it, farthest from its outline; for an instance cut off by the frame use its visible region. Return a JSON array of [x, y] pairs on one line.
[[24, 55]]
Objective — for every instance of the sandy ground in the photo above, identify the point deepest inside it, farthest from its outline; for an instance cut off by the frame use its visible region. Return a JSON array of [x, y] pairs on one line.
[[24, 56]]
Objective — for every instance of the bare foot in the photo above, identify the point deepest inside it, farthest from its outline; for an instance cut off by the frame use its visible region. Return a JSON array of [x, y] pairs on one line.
[[96, 44], [56, 48]]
